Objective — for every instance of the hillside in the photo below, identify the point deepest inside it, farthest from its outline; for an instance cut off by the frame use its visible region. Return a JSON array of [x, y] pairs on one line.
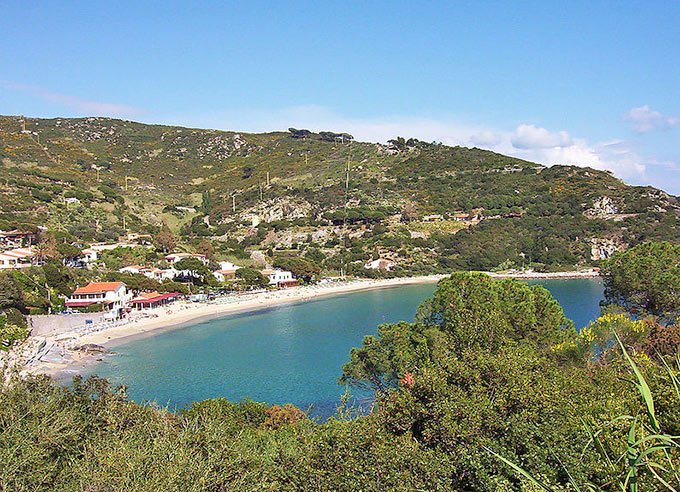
[[424, 206]]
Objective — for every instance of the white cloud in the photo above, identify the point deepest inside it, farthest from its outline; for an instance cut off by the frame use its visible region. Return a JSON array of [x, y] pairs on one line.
[[486, 138], [645, 120], [533, 137], [81, 106]]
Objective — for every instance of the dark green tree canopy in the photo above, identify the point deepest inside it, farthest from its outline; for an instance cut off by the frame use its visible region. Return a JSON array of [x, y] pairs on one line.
[[252, 277], [645, 278], [467, 313]]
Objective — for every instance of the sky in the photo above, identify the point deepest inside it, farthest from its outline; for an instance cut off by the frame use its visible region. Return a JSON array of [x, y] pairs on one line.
[[588, 83]]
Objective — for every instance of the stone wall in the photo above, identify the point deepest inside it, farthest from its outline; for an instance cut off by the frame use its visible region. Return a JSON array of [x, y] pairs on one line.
[[55, 324]]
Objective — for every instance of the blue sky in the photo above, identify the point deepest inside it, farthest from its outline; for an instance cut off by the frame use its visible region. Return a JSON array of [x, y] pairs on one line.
[[585, 83]]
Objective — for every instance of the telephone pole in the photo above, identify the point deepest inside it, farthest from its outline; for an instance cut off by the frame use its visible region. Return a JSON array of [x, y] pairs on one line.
[[342, 267]]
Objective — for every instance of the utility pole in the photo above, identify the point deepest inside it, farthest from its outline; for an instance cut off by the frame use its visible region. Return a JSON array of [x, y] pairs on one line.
[[233, 203], [267, 179], [342, 267]]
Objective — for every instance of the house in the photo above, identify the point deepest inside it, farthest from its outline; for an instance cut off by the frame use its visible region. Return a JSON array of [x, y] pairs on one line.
[[280, 278], [133, 269], [16, 258], [90, 255], [379, 264], [112, 295], [159, 274], [223, 275], [227, 271], [227, 265], [152, 273], [16, 239], [71, 200], [175, 257], [149, 300]]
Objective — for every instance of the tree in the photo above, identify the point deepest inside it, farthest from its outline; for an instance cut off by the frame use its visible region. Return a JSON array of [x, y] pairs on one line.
[[194, 270], [467, 312], [206, 202], [11, 295], [206, 248], [409, 213], [10, 333], [299, 134], [165, 241], [58, 277], [68, 252], [47, 248], [482, 366], [645, 278], [252, 277]]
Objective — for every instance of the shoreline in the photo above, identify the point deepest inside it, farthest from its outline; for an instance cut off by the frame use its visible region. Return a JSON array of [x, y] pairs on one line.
[[182, 314]]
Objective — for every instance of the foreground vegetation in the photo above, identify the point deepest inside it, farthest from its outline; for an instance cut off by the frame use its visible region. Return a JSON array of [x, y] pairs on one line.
[[491, 388]]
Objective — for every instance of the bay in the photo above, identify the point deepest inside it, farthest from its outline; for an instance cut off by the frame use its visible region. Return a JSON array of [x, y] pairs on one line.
[[288, 354]]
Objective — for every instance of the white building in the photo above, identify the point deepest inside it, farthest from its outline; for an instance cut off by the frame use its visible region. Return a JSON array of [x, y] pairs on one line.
[[277, 276], [16, 258], [152, 273], [90, 255], [113, 295], [227, 265], [160, 274], [227, 271], [133, 269]]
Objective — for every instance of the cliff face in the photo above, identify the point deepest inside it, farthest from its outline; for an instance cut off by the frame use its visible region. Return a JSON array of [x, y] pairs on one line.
[[602, 248]]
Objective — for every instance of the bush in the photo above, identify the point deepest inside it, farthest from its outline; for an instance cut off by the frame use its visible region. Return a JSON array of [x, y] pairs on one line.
[[10, 333]]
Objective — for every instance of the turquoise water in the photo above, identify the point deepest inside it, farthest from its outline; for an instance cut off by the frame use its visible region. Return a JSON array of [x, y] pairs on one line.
[[288, 354]]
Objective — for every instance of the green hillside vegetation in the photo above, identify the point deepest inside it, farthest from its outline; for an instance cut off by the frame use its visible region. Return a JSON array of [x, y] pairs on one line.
[[490, 388], [132, 177]]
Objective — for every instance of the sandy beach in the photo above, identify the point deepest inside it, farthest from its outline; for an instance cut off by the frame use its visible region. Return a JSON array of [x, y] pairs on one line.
[[70, 361]]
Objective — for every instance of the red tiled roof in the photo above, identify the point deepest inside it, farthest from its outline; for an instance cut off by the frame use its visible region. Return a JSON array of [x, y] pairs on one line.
[[99, 287], [152, 297]]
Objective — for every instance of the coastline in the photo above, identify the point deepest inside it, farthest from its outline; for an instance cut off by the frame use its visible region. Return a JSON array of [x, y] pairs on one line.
[[71, 361], [185, 313]]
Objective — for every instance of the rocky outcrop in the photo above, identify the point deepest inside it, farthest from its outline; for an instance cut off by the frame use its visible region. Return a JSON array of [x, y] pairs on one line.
[[279, 209], [93, 348], [602, 248], [603, 207]]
